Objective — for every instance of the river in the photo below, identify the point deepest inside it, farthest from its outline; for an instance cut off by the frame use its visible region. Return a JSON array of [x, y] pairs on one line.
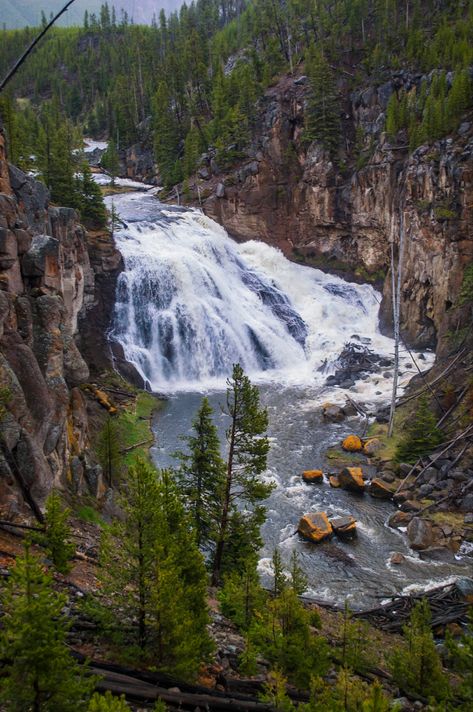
[[190, 303]]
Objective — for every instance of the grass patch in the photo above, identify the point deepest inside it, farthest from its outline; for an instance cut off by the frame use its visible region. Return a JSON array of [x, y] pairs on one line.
[[89, 514], [339, 457], [453, 519], [135, 426]]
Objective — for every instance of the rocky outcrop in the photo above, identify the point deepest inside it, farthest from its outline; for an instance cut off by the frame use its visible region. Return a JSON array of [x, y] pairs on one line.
[[342, 217], [47, 286]]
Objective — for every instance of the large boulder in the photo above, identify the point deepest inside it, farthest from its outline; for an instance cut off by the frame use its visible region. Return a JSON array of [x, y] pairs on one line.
[[352, 443], [313, 476], [380, 489], [344, 527], [351, 478], [420, 533], [315, 527], [333, 413]]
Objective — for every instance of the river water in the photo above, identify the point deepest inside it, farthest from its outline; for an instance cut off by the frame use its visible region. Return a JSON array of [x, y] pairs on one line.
[[190, 303]]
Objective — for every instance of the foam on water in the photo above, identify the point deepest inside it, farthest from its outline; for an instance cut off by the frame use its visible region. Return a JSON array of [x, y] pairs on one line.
[[191, 302]]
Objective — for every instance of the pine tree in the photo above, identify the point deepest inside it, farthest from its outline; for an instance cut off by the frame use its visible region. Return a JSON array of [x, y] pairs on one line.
[[107, 703], [416, 666], [92, 207], [323, 109], [127, 548], [248, 448], [39, 673], [298, 579], [421, 434], [57, 535], [111, 160], [279, 577], [462, 657], [107, 447], [62, 183], [154, 573], [202, 475]]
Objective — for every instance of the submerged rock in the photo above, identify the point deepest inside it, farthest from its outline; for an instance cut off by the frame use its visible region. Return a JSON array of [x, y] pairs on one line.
[[315, 526], [313, 476], [333, 413], [344, 527], [351, 478], [352, 443]]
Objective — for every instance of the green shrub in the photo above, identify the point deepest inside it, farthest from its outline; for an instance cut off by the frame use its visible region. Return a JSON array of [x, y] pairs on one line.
[[421, 434]]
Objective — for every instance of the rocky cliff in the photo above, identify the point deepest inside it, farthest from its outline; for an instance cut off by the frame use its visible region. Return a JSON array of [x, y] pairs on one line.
[[52, 276], [343, 217]]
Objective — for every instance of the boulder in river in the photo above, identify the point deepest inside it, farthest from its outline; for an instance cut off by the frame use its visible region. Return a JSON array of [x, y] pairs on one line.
[[420, 534], [351, 478], [380, 489], [334, 481], [313, 476], [352, 443], [344, 527], [315, 526], [333, 413], [397, 558]]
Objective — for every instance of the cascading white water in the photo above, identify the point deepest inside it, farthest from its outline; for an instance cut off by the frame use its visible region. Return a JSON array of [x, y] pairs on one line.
[[191, 302]]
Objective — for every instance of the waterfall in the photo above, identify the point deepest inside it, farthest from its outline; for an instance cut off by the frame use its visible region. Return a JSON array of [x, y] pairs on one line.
[[191, 302]]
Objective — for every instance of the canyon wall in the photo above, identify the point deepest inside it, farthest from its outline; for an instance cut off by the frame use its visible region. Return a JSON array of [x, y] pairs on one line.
[[343, 217], [52, 278]]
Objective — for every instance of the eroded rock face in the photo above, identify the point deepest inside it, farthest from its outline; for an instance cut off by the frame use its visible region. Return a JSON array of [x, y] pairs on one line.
[[343, 219], [47, 284]]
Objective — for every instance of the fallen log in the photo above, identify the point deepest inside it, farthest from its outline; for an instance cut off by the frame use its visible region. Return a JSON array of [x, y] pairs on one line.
[[132, 447]]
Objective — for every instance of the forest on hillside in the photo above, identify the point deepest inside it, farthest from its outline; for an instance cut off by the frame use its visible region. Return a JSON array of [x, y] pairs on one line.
[[200, 72]]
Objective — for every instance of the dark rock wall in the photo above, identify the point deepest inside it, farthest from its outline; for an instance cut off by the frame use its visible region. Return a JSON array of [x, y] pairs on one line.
[[52, 278]]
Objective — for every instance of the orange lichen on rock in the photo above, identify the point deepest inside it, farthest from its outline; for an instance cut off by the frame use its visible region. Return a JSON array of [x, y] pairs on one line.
[[315, 527], [352, 443], [381, 489], [313, 476], [344, 527], [351, 478], [334, 481]]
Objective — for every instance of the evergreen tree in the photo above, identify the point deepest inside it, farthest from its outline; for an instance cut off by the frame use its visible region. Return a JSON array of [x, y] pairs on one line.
[[107, 703], [39, 673], [202, 475], [154, 573], [92, 207], [111, 160], [279, 577], [107, 447], [416, 666], [248, 448], [323, 109], [127, 548], [462, 657], [57, 535], [61, 168], [298, 579], [421, 434]]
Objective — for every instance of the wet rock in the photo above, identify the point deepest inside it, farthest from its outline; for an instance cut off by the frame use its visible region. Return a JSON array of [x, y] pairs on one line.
[[351, 478], [334, 481], [352, 443], [437, 553], [399, 519], [420, 534], [313, 476], [397, 558], [349, 409], [344, 527], [315, 526], [380, 489], [387, 476], [333, 413]]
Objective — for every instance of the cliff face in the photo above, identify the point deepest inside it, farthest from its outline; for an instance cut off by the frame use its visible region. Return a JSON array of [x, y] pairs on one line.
[[344, 218], [47, 286]]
